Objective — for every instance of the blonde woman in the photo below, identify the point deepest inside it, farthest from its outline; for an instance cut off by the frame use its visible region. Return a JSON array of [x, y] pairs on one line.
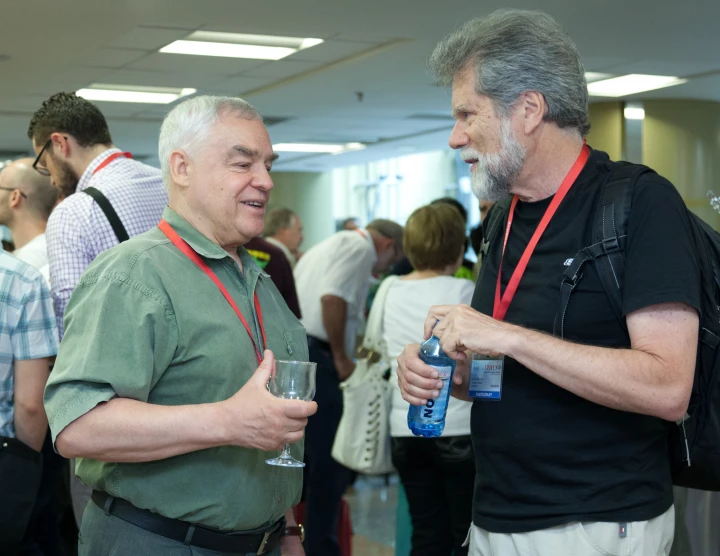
[[437, 473]]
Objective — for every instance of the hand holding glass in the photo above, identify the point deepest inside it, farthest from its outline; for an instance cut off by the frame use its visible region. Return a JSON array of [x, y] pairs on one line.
[[292, 380]]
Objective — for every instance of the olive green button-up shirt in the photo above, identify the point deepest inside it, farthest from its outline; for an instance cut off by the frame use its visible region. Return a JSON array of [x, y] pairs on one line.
[[146, 323]]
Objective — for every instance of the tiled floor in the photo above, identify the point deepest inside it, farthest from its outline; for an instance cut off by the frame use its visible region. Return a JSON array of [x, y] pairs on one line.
[[372, 507]]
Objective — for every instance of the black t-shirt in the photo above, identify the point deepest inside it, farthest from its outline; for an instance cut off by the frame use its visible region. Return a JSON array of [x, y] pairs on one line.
[[545, 456]]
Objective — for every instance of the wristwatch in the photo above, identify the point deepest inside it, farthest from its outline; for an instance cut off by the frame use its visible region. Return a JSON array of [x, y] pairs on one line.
[[296, 531]]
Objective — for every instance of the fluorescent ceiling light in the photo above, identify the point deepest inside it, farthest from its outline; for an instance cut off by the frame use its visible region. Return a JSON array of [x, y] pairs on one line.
[[324, 148], [235, 45], [631, 84], [591, 76], [634, 113], [122, 93]]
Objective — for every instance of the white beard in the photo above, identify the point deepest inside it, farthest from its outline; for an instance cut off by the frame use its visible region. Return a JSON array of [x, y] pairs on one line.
[[495, 173]]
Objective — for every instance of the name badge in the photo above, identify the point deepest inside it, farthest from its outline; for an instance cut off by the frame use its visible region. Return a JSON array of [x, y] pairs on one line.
[[486, 377]]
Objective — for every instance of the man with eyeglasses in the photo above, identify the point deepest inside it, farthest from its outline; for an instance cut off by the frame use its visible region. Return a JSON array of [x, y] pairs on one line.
[[332, 280], [26, 201], [118, 197]]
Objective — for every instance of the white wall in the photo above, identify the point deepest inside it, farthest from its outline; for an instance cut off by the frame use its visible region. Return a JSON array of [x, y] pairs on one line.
[[384, 189], [310, 195], [393, 188]]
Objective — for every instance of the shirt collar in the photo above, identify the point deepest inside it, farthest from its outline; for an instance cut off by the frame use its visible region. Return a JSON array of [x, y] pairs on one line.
[[204, 246], [84, 181]]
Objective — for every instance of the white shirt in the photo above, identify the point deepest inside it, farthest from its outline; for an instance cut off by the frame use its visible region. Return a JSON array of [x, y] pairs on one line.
[[340, 266], [406, 308], [284, 248], [34, 253]]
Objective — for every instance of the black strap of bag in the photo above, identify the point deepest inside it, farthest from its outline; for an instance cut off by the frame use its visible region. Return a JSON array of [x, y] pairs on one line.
[[609, 236], [110, 213]]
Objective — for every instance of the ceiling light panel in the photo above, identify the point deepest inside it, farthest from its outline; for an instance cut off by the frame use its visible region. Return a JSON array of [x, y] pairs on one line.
[[104, 92], [591, 76], [234, 45], [632, 84]]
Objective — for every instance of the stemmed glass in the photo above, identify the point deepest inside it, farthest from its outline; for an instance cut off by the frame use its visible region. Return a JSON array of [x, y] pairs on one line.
[[292, 380]]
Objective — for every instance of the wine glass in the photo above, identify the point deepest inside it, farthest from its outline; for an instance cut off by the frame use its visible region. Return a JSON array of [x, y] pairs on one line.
[[292, 380]]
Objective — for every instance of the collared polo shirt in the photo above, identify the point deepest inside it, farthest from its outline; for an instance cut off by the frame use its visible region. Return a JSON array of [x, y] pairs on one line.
[[146, 323], [340, 266]]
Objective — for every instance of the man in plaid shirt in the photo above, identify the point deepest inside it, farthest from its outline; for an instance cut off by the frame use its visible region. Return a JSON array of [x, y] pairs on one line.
[[73, 146], [28, 338]]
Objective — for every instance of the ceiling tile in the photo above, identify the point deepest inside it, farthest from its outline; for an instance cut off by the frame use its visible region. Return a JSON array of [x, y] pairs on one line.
[[68, 79], [329, 51], [281, 69], [195, 64], [152, 78], [149, 38], [113, 57], [236, 85]]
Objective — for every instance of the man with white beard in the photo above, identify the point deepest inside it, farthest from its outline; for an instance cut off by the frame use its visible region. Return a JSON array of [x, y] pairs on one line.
[[572, 455]]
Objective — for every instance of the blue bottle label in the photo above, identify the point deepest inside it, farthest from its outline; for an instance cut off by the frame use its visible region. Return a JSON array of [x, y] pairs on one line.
[[434, 410]]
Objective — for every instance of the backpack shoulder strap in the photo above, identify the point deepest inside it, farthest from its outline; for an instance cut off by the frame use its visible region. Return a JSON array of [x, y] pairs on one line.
[[609, 239], [110, 213], [609, 236]]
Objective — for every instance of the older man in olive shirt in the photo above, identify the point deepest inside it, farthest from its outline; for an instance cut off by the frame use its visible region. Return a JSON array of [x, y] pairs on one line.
[[157, 388]]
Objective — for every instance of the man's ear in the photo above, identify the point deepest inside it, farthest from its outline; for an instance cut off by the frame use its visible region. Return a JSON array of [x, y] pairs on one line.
[[60, 145], [180, 168], [533, 107], [15, 199]]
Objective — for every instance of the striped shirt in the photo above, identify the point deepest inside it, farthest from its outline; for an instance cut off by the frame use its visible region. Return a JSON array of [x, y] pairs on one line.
[[78, 230], [27, 328]]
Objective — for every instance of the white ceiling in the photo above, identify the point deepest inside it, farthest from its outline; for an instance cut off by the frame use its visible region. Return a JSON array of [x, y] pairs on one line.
[[377, 47]]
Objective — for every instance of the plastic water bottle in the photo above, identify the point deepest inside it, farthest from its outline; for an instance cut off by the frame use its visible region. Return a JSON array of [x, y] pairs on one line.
[[429, 420]]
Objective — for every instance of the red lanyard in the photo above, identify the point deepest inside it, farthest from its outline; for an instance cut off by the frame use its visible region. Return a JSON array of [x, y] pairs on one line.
[[181, 244], [109, 159], [501, 305]]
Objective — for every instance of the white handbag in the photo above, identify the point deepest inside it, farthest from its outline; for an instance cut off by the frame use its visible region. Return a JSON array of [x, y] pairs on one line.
[[362, 441]]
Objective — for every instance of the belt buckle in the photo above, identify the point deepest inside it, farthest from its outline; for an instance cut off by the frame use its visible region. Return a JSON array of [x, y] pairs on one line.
[[264, 542]]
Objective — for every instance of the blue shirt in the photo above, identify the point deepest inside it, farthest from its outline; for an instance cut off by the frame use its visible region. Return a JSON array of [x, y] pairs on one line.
[[27, 328]]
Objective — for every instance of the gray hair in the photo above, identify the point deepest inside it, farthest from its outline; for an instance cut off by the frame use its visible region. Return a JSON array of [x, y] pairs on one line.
[[188, 124], [515, 51], [278, 219]]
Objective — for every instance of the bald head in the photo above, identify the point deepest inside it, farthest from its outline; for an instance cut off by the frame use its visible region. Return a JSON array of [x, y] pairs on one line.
[[40, 197]]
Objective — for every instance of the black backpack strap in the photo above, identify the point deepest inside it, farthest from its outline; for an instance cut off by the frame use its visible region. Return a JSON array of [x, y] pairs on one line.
[[609, 237], [110, 213]]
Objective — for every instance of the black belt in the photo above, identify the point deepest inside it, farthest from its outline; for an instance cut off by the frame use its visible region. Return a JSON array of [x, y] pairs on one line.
[[259, 541]]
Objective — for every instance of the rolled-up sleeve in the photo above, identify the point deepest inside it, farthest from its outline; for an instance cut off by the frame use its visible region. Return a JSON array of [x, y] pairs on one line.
[[120, 337]]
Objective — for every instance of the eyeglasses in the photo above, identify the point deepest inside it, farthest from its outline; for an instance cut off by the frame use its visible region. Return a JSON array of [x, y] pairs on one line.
[[42, 170], [16, 189]]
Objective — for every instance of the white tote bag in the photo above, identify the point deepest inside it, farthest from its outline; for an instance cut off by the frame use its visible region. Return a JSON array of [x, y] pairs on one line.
[[362, 441]]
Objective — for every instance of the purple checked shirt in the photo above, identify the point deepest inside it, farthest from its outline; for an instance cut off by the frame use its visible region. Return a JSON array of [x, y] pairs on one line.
[[78, 230]]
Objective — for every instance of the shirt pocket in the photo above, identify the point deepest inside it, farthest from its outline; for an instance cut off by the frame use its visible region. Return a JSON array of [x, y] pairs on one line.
[[296, 344]]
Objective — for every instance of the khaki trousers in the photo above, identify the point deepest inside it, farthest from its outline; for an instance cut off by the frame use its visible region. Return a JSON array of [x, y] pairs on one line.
[[643, 538]]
